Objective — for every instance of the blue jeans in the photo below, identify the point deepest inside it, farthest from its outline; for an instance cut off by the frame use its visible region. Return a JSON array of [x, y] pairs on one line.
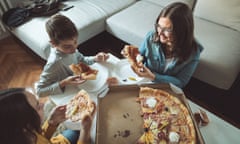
[[71, 135]]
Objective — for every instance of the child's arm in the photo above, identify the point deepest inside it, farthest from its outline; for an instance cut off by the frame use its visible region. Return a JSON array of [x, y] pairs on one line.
[[101, 56], [48, 83], [50, 78], [71, 80]]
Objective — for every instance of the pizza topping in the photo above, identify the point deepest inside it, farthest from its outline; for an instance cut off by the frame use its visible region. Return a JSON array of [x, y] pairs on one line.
[[174, 111], [163, 125], [161, 135], [166, 109], [151, 102], [173, 137], [139, 58]]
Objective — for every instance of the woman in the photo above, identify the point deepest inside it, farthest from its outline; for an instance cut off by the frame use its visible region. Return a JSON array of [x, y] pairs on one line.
[[171, 53], [21, 119]]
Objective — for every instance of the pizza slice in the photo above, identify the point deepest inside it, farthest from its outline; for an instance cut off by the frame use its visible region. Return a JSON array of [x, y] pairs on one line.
[[133, 55], [80, 106], [84, 70]]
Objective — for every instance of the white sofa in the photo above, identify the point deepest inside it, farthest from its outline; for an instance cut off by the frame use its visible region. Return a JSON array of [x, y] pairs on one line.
[[217, 27], [88, 15]]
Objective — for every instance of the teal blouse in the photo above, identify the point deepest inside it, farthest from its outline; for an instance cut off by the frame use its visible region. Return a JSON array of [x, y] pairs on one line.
[[154, 59]]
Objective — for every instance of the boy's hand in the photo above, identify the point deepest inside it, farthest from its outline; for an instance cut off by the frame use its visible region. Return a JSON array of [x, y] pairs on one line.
[[72, 80], [101, 56]]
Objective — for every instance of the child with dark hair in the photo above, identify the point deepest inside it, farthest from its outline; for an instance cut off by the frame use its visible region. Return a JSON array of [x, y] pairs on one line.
[[64, 40]]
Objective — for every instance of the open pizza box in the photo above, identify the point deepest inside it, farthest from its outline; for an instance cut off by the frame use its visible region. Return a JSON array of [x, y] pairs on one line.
[[119, 120]]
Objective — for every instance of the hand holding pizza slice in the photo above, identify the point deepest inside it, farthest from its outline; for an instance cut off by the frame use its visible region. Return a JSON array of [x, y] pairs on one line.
[[80, 106], [84, 70], [133, 55]]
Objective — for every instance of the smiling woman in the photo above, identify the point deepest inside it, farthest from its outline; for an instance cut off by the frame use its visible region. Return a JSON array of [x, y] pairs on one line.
[[171, 53]]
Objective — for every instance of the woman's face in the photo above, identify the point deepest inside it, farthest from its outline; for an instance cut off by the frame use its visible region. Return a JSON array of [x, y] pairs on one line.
[[165, 29], [33, 101]]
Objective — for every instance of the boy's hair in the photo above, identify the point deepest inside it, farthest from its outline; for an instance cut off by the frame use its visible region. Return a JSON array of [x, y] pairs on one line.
[[60, 28]]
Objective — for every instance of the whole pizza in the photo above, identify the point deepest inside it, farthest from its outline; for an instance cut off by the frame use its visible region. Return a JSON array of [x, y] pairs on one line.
[[166, 119]]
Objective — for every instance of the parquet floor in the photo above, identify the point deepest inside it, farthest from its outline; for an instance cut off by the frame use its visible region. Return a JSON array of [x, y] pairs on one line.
[[19, 68]]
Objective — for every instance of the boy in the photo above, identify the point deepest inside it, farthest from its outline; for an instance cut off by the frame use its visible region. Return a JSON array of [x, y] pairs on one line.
[[56, 74]]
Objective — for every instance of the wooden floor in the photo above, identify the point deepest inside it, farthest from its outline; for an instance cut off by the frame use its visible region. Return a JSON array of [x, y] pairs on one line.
[[19, 67]]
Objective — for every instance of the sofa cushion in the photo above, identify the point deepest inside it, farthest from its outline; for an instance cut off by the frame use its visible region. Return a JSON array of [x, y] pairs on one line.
[[224, 12], [163, 3], [88, 15], [220, 61], [109, 7], [133, 23]]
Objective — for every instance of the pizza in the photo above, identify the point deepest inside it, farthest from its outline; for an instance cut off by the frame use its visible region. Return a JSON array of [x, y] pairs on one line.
[[80, 106], [166, 120], [84, 70], [133, 55]]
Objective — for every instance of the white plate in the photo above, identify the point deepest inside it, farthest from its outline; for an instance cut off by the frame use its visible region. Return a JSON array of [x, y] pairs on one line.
[[125, 74], [96, 85]]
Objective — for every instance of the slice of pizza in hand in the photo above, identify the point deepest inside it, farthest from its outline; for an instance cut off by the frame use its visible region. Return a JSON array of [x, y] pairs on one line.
[[84, 70], [80, 106], [133, 55]]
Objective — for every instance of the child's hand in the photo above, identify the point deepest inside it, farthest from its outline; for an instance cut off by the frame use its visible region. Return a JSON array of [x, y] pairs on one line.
[[72, 80], [101, 56]]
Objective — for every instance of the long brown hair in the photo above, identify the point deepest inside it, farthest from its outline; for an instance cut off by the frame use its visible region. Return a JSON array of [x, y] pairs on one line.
[[183, 29], [19, 120]]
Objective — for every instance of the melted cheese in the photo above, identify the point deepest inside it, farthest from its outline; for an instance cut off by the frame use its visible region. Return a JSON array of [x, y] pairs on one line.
[[139, 58], [151, 102], [174, 137]]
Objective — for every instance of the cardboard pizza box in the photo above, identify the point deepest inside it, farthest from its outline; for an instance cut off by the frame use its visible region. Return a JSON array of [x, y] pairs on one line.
[[118, 117]]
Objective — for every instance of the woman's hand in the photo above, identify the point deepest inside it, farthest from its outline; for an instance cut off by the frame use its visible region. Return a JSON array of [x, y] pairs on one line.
[[57, 115], [144, 72], [72, 80], [101, 56]]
